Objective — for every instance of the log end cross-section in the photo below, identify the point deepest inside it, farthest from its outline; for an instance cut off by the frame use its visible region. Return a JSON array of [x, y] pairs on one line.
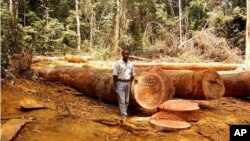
[[169, 125], [212, 85], [149, 90]]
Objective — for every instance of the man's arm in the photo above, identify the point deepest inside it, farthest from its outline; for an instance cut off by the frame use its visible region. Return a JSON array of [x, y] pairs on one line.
[[133, 77], [115, 75], [115, 81]]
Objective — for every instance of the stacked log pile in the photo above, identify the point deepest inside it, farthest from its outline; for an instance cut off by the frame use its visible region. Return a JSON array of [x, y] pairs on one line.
[[155, 89], [147, 93]]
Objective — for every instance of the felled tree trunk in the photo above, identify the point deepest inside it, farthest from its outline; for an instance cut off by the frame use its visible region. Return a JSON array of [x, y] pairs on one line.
[[237, 84], [188, 66], [75, 59], [168, 82], [205, 84], [36, 59], [147, 93], [197, 85]]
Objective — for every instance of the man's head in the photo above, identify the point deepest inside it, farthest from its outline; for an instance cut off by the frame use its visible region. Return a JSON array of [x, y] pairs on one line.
[[125, 54]]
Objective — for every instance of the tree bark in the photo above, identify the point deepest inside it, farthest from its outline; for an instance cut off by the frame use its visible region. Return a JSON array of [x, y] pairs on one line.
[[92, 22], [117, 26], [11, 8], [16, 9], [205, 84], [237, 84], [171, 8], [78, 26], [184, 109], [169, 86], [180, 25], [187, 66], [147, 93], [13, 23], [247, 62]]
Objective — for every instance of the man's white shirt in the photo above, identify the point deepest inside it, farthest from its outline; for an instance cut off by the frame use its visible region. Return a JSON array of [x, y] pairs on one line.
[[124, 71]]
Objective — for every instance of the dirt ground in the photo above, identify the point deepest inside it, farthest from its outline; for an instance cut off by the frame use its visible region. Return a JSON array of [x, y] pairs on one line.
[[69, 115]]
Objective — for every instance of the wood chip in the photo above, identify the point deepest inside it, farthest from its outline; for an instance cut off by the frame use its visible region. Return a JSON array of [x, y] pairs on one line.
[[168, 125], [11, 127], [29, 103]]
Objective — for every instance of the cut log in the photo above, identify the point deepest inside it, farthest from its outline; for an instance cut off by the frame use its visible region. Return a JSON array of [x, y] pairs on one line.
[[166, 115], [147, 93], [197, 85], [149, 90], [36, 59], [184, 109], [75, 59], [131, 57], [169, 125], [11, 127], [28, 103], [205, 84], [237, 84], [168, 82], [190, 66], [179, 105], [207, 104], [190, 116]]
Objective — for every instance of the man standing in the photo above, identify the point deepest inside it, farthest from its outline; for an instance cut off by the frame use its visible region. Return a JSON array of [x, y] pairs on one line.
[[123, 74]]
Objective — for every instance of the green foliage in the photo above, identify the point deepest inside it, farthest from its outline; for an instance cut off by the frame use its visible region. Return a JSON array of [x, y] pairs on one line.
[[149, 27], [48, 36], [197, 13], [230, 25], [11, 37]]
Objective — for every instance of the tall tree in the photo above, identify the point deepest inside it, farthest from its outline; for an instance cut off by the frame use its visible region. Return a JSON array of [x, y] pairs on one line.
[[78, 26], [248, 36], [180, 17], [92, 23], [171, 7], [117, 25], [13, 22]]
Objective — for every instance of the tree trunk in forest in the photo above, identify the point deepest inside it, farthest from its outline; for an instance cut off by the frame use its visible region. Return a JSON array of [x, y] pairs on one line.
[[171, 8], [237, 84], [92, 22], [11, 8], [147, 93], [12, 24], [78, 26], [16, 9], [180, 25], [247, 61], [92, 28], [117, 26]]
